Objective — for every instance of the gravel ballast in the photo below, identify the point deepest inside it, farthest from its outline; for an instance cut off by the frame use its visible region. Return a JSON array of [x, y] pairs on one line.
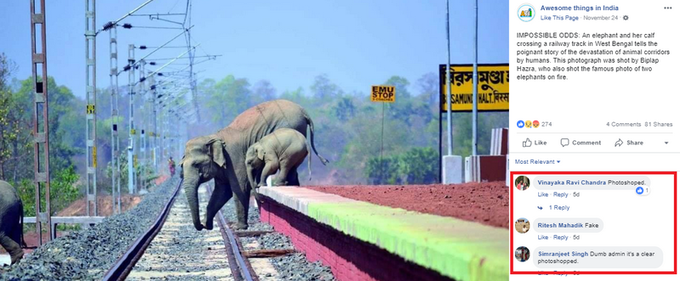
[[88, 254], [293, 267]]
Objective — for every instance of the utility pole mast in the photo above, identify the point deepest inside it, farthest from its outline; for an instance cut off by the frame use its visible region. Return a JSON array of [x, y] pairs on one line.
[[142, 137], [131, 141], [91, 99], [154, 93], [474, 87], [115, 141], [41, 138]]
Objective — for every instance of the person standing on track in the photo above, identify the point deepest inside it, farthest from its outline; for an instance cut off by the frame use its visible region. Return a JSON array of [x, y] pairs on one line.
[[171, 164]]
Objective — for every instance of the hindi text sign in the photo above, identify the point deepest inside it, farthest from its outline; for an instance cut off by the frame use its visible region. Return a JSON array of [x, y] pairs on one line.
[[493, 87]]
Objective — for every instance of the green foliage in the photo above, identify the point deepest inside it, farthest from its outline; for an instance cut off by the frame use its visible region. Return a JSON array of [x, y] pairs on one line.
[[462, 124], [10, 121], [122, 166], [420, 165], [63, 191], [323, 89], [415, 166], [345, 109]]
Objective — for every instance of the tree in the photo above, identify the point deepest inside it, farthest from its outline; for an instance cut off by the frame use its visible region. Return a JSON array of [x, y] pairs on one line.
[[415, 166], [400, 86], [263, 91], [462, 134], [62, 105], [402, 108], [297, 96], [226, 99], [9, 127], [419, 165], [345, 109], [323, 89], [429, 91]]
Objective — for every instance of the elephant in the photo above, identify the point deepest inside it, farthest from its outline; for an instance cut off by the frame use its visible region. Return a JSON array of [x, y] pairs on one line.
[[284, 149], [221, 156], [11, 222]]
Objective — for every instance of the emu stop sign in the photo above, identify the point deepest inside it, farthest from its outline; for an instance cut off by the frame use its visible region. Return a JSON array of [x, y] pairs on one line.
[[382, 94]]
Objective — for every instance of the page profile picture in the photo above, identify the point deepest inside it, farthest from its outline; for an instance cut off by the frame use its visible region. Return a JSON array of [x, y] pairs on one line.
[[522, 254], [522, 225], [526, 12], [522, 183]]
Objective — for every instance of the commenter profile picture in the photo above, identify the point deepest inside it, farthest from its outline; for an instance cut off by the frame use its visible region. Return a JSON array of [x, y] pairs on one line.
[[522, 225], [522, 183], [522, 254], [526, 12]]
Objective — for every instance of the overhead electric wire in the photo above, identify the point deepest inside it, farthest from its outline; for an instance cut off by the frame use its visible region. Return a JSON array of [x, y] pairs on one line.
[[152, 52], [113, 23]]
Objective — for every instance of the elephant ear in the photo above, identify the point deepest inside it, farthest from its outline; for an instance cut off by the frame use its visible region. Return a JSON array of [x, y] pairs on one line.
[[216, 150], [260, 152]]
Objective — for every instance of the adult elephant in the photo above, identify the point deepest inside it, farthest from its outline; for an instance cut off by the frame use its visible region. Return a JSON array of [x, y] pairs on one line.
[[11, 222], [221, 156]]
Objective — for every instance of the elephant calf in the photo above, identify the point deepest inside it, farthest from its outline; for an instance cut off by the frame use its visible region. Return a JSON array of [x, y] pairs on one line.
[[11, 222], [284, 149]]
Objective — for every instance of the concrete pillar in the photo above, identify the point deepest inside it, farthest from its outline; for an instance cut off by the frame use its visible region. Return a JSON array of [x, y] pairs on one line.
[[452, 169]]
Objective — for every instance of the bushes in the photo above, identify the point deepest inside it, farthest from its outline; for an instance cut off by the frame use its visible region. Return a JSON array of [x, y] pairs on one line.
[[63, 191], [418, 165]]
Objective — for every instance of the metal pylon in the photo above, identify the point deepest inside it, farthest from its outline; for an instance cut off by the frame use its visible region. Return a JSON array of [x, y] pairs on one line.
[[91, 99], [41, 130], [132, 157], [115, 140], [142, 136]]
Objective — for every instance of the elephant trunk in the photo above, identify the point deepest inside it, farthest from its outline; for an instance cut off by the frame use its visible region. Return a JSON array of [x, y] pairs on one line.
[[251, 177], [190, 185]]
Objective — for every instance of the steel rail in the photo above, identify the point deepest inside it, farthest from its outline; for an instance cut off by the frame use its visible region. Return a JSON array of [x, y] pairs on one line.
[[235, 247], [122, 268]]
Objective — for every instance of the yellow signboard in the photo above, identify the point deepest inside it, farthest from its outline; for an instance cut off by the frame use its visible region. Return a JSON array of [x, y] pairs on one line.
[[94, 156], [90, 109], [493, 87], [132, 131], [382, 93]]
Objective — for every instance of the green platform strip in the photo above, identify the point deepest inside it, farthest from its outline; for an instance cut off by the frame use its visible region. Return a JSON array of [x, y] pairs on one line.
[[459, 249]]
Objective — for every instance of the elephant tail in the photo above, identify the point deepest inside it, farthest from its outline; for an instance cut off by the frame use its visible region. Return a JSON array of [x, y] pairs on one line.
[[324, 161], [309, 163]]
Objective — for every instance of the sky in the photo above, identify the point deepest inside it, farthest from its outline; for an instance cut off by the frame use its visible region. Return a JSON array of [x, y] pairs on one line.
[[356, 43]]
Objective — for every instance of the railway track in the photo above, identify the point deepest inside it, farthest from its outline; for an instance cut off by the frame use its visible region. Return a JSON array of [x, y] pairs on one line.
[[173, 249]]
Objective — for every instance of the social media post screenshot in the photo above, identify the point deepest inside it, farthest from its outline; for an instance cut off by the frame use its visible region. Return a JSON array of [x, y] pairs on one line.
[[594, 140]]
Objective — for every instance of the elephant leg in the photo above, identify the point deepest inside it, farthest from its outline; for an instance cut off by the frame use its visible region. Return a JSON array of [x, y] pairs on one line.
[[292, 178], [269, 169], [220, 196], [241, 191], [12, 248], [281, 178], [17, 233]]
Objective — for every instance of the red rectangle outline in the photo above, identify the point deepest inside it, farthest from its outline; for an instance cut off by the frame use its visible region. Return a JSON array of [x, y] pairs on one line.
[[675, 221]]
